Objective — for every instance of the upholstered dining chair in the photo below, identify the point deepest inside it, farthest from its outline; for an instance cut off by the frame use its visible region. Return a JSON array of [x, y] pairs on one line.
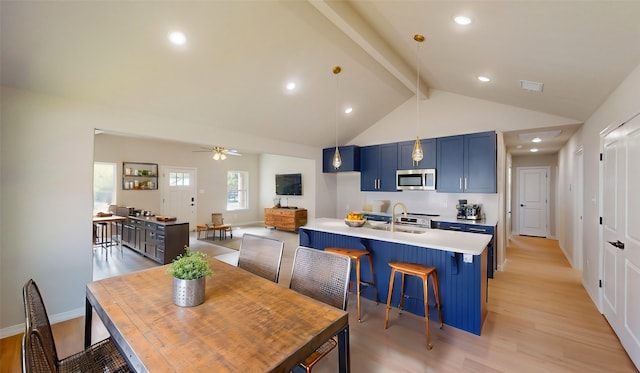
[[261, 256], [39, 350], [323, 276]]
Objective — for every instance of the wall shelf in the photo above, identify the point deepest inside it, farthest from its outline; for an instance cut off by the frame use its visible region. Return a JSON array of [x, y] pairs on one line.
[[139, 176]]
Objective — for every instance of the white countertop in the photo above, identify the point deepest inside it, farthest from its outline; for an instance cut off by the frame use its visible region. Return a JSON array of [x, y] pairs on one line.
[[447, 218], [459, 242], [454, 219]]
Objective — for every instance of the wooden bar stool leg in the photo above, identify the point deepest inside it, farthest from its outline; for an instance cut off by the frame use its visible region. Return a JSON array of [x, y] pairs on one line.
[[358, 285], [425, 283], [373, 279], [401, 305], [436, 292], [386, 317]]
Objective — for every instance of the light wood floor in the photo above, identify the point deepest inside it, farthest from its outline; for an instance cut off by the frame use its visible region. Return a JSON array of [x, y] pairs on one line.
[[540, 320]]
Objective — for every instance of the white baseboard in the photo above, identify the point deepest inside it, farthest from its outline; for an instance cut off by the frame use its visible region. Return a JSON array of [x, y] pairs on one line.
[[54, 319]]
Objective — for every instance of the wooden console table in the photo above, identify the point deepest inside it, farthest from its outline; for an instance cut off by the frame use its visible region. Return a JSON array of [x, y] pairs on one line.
[[285, 219]]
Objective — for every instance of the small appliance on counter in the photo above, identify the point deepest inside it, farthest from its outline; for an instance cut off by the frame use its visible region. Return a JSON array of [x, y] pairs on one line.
[[468, 211]]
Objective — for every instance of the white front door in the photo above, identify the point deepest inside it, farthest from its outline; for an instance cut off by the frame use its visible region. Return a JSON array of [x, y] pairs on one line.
[[532, 201], [179, 194], [621, 234]]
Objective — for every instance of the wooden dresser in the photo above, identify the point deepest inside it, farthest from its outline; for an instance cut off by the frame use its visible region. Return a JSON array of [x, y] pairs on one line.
[[285, 219]]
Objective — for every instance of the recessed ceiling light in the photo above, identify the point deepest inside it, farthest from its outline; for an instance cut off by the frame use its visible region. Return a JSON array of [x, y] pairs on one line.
[[348, 110], [534, 150], [462, 20], [291, 86], [177, 38], [536, 139], [484, 79]]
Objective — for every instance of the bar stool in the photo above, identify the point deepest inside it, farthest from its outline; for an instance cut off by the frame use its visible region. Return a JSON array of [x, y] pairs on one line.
[[355, 254], [423, 272]]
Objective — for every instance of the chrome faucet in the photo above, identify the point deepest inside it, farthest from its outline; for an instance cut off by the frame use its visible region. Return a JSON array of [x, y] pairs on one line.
[[393, 214]]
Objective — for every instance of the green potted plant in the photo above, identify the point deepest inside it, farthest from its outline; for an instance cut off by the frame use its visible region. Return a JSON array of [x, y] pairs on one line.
[[189, 271]]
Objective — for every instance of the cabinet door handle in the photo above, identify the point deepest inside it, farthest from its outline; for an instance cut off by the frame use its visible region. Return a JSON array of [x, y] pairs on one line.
[[477, 230], [460, 183], [465, 183], [618, 244]]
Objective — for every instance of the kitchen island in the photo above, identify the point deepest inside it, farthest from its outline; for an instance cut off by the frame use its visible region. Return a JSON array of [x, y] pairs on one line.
[[459, 257], [161, 241]]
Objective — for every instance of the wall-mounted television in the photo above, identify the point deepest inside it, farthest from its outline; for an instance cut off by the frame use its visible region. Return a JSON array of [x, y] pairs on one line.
[[289, 184]]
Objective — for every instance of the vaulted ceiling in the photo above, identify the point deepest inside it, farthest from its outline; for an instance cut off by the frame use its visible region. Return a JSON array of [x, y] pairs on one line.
[[239, 55]]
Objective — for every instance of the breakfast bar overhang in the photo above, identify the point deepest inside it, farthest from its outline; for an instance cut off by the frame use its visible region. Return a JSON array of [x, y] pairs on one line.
[[460, 259]]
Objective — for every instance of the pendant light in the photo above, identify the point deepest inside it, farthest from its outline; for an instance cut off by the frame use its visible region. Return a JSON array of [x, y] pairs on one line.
[[417, 154], [337, 161]]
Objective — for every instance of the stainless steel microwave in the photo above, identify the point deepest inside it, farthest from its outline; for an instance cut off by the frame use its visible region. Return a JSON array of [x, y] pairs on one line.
[[416, 179]]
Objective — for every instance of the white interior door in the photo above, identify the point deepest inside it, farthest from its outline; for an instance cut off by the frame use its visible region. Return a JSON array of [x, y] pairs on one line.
[[621, 235], [179, 194], [578, 213], [532, 201]]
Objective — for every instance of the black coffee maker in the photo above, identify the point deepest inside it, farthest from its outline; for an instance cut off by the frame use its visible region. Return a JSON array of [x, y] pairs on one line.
[[468, 211], [462, 208]]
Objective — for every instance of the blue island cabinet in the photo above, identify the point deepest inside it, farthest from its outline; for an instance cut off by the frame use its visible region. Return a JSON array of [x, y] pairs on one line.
[[463, 286]]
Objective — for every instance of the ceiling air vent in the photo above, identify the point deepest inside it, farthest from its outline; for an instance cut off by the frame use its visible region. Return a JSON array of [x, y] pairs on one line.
[[531, 86]]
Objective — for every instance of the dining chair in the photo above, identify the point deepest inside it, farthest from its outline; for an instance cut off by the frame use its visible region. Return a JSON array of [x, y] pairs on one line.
[[217, 224], [323, 276], [261, 255], [39, 352]]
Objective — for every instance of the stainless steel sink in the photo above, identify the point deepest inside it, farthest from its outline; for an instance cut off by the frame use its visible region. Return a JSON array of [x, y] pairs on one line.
[[398, 228], [409, 230]]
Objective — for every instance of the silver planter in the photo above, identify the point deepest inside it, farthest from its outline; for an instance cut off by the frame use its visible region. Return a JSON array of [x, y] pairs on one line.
[[188, 293]]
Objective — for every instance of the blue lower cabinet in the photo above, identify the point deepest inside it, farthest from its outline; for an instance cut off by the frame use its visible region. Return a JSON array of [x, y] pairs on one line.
[[474, 228], [463, 286]]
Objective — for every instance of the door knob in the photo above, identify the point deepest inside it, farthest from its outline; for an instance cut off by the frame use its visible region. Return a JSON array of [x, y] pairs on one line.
[[521, 205], [618, 244]]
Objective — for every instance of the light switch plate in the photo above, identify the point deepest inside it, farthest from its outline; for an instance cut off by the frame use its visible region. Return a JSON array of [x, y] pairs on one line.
[[467, 258]]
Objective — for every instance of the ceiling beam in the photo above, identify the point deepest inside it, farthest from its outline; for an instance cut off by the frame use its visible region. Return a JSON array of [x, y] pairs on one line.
[[349, 22]]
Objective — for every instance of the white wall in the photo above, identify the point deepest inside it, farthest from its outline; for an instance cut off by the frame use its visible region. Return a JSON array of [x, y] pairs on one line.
[[46, 197], [619, 106], [270, 165], [211, 175]]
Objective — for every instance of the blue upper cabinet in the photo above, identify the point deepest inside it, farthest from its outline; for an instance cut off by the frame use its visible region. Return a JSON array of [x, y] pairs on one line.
[[449, 164], [350, 156], [405, 149], [378, 165], [467, 163], [480, 162]]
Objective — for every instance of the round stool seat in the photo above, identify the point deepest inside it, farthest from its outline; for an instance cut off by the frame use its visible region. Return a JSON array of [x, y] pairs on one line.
[[423, 272], [355, 255]]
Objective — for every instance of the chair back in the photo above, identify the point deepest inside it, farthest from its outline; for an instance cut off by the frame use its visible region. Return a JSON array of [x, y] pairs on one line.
[[321, 275], [261, 255], [217, 219], [38, 346]]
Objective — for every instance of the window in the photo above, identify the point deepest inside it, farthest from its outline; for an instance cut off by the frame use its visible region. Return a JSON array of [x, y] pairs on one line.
[[104, 186], [179, 179], [237, 190]]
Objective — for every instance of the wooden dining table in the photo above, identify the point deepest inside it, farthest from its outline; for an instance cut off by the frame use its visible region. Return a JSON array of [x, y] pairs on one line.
[[246, 323]]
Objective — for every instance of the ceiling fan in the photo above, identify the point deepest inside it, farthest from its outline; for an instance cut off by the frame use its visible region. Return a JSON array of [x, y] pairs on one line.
[[219, 153]]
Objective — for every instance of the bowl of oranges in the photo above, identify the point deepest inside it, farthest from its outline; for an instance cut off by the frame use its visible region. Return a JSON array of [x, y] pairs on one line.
[[355, 219]]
